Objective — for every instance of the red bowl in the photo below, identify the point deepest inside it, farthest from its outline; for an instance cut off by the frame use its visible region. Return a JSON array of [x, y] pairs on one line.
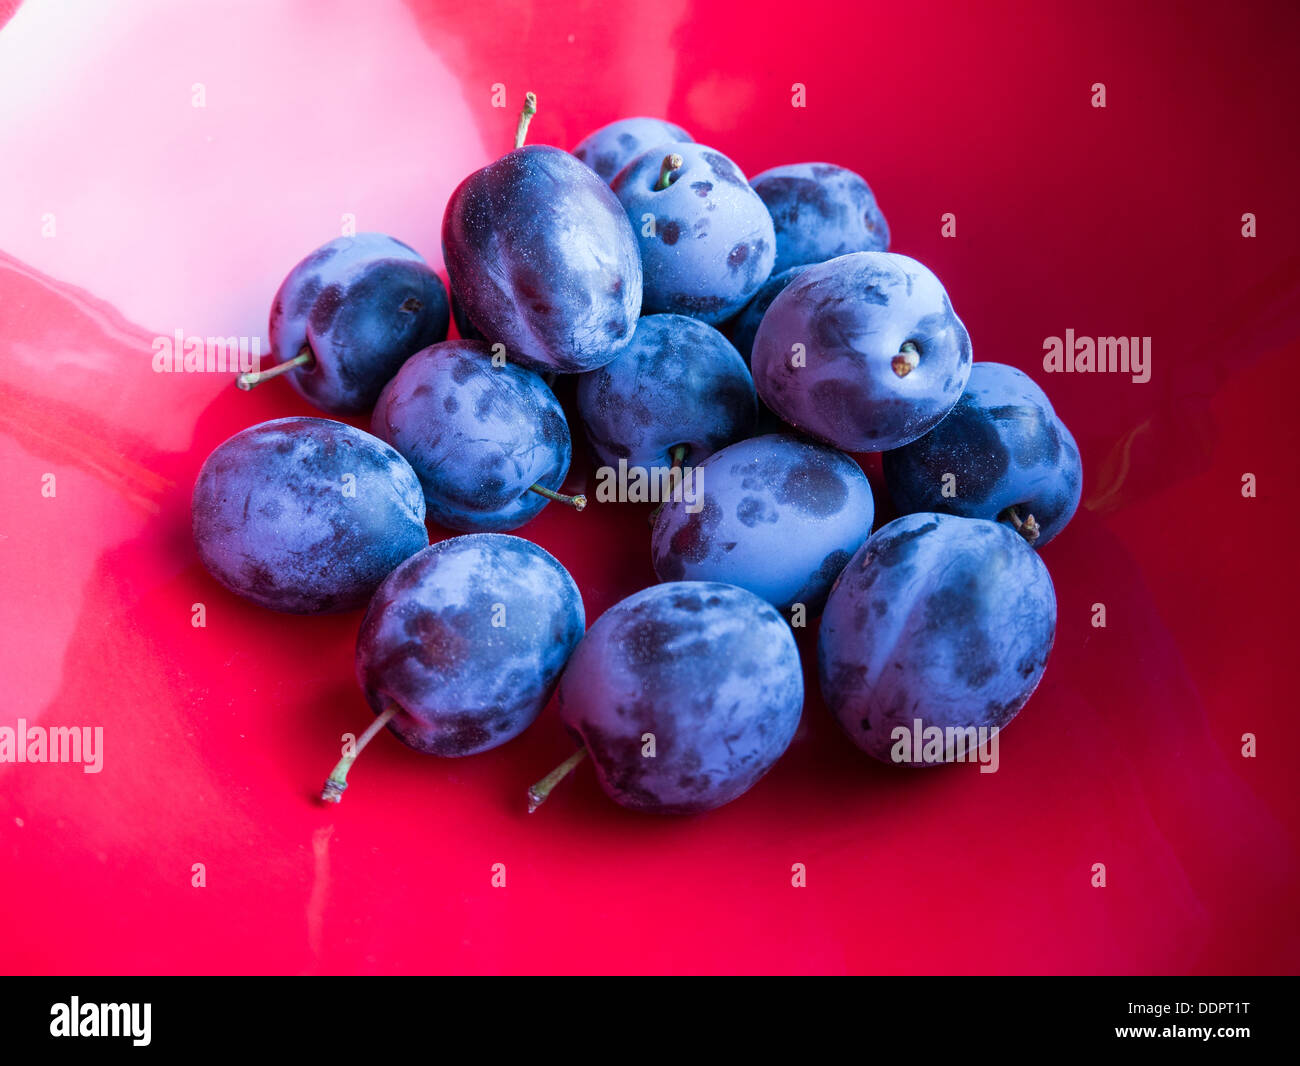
[[164, 167]]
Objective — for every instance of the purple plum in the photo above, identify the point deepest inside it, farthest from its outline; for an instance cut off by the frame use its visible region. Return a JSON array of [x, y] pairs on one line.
[[462, 646], [1001, 453], [706, 239], [306, 515], [489, 442], [776, 515], [348, 316], [820, 211], [543, 259], [684, 695], [680, 382], [939, 620], [863, 352], [610, 148]]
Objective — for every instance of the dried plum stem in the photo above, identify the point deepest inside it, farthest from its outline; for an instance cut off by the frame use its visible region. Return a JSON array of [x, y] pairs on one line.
[[909, 355], [1028, 528], [538, 793], [337, 782], [670, 164], [253, 378], [525, 117], [577, 502]]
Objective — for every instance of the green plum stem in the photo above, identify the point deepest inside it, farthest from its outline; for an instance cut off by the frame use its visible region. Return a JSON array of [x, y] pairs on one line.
[[337, 782], [253, 378], [538, 793], [525, 117], [577, 502], [670, 164], [678, 456]]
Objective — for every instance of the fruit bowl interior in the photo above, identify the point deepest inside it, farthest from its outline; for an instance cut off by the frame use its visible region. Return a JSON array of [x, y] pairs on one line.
[[166, 165]]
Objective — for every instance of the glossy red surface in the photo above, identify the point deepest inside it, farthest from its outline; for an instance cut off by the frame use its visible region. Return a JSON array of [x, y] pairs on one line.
[[1122, 220]]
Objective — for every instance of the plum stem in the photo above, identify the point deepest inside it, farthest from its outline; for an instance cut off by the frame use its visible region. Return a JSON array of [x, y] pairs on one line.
[[1028, 529], [670, 164], [678, 456], [538, 793], [253, 378], [577, 502], [337, 782], [909, 355], [525, 117]]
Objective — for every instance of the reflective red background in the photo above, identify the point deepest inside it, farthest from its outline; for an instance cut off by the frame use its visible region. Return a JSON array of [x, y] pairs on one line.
[[1117, 221]]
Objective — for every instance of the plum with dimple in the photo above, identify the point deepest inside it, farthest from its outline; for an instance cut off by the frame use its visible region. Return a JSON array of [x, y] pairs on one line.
[[777, 515], [820, 211], [680, 382], [706, 239], [306, 515], [542, 259], [709, 669], [1001, 453], [940, 619], [478, 435], [863, 352], [467, 640], [610, 148], [358, 307]]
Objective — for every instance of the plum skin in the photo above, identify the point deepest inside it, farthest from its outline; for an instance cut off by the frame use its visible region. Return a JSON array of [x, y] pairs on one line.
[[543, 259], [275, 519], [1005, 447], [363, 304], [744, 326], [944, 619], [429, 645], [610, 148], [820, 211], [780, 517], [680, 381], [712, 243], [710, 669], [477, 435], [854, 317]]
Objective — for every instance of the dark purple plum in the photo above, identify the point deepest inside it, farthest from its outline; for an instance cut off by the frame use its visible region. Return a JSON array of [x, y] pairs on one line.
[[775, 515], [745, 325], [610, 148], [543, 259], [707, 241], [709, 670], [1000, 454], [680, 382], [863, 352], [348, 316], [462, 646], [489, 443], [820, 211], [306, 515], [940, 619]]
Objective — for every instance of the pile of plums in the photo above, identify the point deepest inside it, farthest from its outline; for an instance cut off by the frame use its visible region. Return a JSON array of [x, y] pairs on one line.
[[755, 334]]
